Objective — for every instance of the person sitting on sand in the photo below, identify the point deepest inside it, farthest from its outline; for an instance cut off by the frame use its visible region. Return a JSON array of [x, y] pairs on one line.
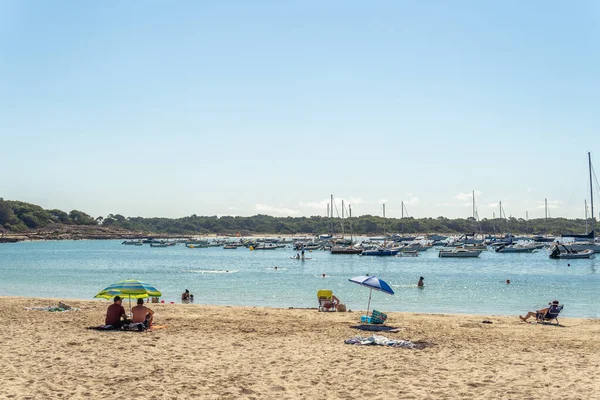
[[185, 295], [142, 314], [539, 313], [115, 315], [421, 283]]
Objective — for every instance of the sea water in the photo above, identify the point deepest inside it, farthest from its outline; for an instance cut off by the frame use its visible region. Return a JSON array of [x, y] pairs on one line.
[[80, 269]]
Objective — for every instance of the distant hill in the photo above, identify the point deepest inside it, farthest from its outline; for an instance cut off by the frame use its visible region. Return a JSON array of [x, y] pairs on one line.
[[18, 216]]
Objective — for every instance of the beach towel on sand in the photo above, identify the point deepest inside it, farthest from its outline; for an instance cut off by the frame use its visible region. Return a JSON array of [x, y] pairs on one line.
[[384, 341], [136, 327], [51, 309]]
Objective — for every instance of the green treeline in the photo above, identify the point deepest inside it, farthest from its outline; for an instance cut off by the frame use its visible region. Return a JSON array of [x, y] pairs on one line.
[[17, 216]]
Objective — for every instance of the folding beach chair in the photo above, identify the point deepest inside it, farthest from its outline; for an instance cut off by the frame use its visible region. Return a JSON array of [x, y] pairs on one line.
[[377, 318], [551, 315], [326, 302]]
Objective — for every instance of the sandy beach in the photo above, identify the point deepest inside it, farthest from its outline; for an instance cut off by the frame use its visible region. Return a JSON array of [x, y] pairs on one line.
[[210, 352]]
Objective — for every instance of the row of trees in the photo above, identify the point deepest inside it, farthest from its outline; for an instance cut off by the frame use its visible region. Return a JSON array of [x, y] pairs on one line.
[[18, 216]]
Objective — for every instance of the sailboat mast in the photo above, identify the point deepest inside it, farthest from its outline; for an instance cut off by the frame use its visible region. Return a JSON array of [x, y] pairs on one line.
[[343, 233], [585, 212], [331, 217], [591, 188], [402, 210], [546, 210], [351, 229], [384, 221], [473, 204]]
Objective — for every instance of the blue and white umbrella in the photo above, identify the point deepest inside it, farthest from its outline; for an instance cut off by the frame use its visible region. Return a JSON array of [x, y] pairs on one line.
[[372, 282]]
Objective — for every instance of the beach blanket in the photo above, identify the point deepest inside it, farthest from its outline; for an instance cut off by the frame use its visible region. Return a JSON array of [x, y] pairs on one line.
[[135, 327], [384, 341], [376, 328], [102, 328], [52, 309], [130, 327]]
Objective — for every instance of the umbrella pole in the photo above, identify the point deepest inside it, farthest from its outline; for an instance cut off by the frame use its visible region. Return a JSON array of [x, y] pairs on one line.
[[369, 304]]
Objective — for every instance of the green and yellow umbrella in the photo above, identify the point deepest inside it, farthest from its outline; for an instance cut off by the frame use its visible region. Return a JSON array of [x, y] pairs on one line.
[[130, 288]]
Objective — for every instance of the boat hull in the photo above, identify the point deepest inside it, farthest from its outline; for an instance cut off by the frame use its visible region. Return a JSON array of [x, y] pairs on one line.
[[459, 254]]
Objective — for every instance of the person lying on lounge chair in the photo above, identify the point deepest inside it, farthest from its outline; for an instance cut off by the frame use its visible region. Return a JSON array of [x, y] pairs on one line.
[[539, 313], [142, 314]]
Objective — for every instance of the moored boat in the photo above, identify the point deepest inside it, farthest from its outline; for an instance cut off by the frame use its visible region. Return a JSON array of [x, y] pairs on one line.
[[459, 252], [516, 248], [381, 251], [346, 250], [133, 243], [160, 245], [569, 254]]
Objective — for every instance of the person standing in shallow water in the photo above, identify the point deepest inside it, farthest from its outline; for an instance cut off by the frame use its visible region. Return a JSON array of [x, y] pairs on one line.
[[421, 283]]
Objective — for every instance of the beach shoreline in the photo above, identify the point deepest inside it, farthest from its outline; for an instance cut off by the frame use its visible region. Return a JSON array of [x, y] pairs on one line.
[[230, 352]]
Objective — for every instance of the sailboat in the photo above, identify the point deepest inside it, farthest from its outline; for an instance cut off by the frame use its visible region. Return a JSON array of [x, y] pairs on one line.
[[587, 241], [382, 250], [347, 249]]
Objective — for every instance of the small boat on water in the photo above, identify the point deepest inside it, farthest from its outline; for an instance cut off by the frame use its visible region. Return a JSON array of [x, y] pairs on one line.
[[346, 250], [408, 253], [569, 254], [516, 248], [230, 247], [380, 251], [133, 243], [459, 252], [195, 246], [160, 245], [264, 246]]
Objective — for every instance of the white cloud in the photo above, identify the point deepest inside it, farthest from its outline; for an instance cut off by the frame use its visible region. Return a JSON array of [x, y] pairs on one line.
[[412, 200], [354, 200], [318, 205], [455, 204], [467, 196], [382, 201], [551, 204], [322, 204], [270, 210]]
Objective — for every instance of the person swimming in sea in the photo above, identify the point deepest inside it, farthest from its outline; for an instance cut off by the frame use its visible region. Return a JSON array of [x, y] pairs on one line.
[[421, 284]]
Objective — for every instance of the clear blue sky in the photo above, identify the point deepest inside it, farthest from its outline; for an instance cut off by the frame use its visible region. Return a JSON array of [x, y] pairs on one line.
[[159, 108]]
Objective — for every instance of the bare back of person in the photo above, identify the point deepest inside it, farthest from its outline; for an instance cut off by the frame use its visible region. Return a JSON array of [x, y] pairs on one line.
[[139, 313]]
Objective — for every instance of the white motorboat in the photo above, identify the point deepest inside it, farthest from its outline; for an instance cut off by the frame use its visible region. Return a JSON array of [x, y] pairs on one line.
[[569, 254], [516, 248], [459, 252]]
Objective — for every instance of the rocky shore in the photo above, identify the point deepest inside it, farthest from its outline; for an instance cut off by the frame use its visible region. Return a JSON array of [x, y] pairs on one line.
[[78, 232]]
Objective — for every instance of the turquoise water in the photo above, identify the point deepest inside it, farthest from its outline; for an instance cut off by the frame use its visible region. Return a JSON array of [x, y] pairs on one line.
[[80, 269]]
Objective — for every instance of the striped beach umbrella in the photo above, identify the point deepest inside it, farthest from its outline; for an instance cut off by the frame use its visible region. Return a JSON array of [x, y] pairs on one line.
[[130, 288]]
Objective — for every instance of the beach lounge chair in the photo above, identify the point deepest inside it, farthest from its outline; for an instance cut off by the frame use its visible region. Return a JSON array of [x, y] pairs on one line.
[[326, 302], [550, 315], [377, 317]]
